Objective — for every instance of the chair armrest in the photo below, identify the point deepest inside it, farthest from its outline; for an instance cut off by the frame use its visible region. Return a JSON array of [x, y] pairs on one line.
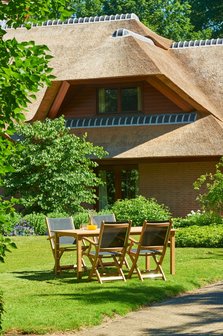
[[133, 240], [90, 241], [51, 237]]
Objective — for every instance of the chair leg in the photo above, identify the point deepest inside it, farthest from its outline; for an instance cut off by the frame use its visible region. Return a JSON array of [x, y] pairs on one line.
[[134, 261], [159, 268], [119, 267], [84, 264], [57, 268], [126, 263], [94, 270]]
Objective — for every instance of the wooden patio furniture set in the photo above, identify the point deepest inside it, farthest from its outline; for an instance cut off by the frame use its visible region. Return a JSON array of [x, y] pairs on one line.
[[108, 243]]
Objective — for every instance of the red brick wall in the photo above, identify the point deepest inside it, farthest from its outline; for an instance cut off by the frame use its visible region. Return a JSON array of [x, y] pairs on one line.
[[155, 102], [172, 183], [81, 101]]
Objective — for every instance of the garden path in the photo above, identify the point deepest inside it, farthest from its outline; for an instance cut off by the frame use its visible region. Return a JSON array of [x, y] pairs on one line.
[[196, 313]]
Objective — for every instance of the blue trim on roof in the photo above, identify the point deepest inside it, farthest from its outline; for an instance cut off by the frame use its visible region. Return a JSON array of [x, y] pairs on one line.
[[132, 120]]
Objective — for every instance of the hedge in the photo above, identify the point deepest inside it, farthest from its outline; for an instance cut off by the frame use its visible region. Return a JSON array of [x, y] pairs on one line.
[[200, 236]]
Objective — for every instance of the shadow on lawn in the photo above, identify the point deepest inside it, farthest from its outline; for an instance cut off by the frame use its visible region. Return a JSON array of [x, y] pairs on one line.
[[133, 292], [50, 276]]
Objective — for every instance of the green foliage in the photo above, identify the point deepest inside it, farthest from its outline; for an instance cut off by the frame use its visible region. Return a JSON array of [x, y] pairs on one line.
[[140, 208], [1, 310], [198, 218], [28, 281], [211, 199], [80, 218], [87, 7], [169, 18], [37, 222], [53, 170], [207, 15], [6, 211], [17, 12], [200, 236], [24, 69]]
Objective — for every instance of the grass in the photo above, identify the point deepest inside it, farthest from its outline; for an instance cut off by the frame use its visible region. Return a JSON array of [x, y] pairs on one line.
[[37, 301]]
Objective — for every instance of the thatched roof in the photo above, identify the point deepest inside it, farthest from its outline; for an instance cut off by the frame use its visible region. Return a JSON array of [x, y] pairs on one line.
[[162, 141], [89, 51]]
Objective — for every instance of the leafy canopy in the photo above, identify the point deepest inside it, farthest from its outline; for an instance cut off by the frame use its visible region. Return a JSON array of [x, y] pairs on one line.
[[169, 18], [24, 70], [211, 185], [53, 170], [206, 14]]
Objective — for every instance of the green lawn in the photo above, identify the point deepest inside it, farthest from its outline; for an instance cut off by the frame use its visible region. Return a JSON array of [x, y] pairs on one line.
[[37, 301]]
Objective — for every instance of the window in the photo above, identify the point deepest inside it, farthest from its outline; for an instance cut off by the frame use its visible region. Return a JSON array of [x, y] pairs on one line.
[[119, 183], [113, 100], [108, 100]]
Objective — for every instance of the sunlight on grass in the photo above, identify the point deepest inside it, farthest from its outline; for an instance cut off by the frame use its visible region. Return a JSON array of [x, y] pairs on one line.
[[37, 301]]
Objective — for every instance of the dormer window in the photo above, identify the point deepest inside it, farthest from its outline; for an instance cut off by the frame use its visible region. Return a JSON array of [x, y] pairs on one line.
[[119, 100]]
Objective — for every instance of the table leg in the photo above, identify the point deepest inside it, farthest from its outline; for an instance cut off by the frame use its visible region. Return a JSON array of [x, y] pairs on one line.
[[147, 263], [79, 257], [172, 253]]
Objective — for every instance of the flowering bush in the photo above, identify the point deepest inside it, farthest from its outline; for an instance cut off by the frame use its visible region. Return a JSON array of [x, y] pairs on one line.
[[199, 218], [23, 228], [35, 223]]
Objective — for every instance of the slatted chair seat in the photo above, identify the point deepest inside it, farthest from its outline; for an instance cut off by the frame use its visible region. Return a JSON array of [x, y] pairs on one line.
[[108, 218], [112, 243], [152, 243]]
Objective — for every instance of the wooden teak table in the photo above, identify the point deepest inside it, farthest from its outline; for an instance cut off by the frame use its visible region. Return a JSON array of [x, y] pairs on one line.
[[79, 234]]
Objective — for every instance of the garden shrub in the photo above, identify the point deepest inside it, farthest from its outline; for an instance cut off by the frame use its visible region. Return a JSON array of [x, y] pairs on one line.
[[200, 236], [198, 218], [140, 208], [1, 310], [23, 228], [80, 218], [11, 219], [37, 222]]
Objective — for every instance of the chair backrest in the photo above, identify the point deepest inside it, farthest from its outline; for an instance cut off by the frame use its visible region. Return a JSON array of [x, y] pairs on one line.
[[98, 219], [114, 235], [65, 223], [155, 235]]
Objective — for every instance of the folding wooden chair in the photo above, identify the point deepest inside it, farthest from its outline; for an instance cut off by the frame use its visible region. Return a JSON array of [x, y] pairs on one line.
[[152, 243], [66, 244], [98, 219], [108, 218], [112, 243]]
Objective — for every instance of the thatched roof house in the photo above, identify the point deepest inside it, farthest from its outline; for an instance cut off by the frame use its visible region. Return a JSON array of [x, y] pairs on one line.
[[172, 132]]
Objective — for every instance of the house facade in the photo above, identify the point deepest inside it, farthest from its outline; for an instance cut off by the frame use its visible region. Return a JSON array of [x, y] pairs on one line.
[[155, 105]]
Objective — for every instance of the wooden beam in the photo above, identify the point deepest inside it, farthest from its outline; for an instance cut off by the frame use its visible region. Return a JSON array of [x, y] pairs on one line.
[[158, 84], [58, 100]]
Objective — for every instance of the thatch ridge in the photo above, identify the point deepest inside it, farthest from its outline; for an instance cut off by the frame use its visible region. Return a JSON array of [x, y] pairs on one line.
[[86, 52]]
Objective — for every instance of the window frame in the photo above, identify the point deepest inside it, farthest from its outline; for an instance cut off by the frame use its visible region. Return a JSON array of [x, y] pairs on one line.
[[119, 88]]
